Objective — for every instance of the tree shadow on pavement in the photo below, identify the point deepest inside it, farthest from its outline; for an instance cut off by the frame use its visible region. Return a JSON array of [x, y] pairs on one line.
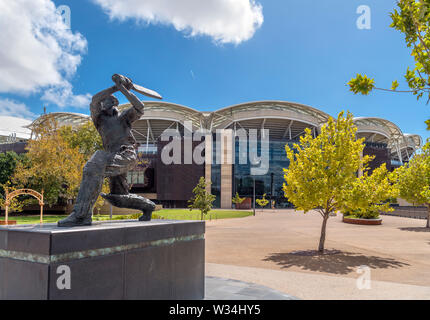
[[416, 229], [332, 261]]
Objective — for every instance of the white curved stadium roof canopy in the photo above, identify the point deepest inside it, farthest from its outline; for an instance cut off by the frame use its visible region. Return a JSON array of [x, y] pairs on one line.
[[283, 119], [14, 129]]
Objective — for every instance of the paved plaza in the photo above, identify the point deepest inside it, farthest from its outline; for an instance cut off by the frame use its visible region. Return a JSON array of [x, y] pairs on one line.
[[276, 249]]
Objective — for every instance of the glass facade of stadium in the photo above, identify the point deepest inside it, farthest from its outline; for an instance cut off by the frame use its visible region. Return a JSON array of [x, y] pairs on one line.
[[171, 184]]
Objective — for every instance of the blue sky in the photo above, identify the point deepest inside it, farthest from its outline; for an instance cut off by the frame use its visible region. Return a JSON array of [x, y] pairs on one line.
[[305, 51]]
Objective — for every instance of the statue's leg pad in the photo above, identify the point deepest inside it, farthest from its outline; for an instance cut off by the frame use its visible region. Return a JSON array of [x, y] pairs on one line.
[[132, 201]]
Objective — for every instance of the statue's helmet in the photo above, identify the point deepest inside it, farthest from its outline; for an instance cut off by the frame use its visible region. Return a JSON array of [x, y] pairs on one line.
[[110, 104]]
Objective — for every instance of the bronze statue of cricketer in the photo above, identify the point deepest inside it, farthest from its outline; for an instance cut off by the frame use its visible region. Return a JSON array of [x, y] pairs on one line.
[[118, 157]]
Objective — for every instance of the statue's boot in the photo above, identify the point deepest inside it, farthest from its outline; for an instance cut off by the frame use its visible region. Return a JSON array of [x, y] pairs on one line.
[[75, 221], [147, 214], [91, 186], [132, 201]]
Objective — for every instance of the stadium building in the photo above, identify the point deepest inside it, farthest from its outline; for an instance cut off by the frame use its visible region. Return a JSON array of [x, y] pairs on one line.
[[171, 185], [14, 132]]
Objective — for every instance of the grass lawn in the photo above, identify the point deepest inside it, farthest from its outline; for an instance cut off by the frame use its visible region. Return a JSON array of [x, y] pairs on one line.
[[170, 214], [186, 214], [34, 219]]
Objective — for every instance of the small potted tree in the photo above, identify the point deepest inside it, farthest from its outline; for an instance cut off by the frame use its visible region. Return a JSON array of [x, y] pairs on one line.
[[262, 202], [367, 196], [236, 200]]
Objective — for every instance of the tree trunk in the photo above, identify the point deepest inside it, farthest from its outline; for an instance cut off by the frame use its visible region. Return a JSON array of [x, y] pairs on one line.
[[323, 229], [428, 216]]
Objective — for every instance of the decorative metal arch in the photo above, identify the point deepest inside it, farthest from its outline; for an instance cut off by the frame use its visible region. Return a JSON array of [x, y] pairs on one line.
[[13, 194]]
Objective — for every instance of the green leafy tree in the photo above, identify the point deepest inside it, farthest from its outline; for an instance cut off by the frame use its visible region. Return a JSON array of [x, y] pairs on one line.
[[263, 201], [8, 163], [321, 167], [202, 200], [237, 200], [412, 18], [369, 194], [413, 180]]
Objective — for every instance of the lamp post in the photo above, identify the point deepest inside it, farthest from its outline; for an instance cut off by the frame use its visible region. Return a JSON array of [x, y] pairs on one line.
[[271, 189], [253, 196]]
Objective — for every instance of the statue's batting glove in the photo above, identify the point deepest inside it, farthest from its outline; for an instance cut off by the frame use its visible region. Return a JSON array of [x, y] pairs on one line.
[[120, 79], [117, 78], [127, 83]]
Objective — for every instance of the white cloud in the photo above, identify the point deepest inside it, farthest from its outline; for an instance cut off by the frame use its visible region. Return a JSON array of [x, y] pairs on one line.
[[63, 96], [226, 21], [37, 50], [15, 109]]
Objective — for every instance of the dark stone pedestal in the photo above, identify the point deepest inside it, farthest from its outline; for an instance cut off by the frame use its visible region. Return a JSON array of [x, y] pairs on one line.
[[109, 260]]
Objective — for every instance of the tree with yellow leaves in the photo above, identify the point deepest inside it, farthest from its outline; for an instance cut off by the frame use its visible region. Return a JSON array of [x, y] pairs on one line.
[[413, 180], [53, 165], [85, 138], [320, 168], [15, 204], [237, 200], [55, 161], [412, 19], [201, 200], [368, 195], [262, 202]]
